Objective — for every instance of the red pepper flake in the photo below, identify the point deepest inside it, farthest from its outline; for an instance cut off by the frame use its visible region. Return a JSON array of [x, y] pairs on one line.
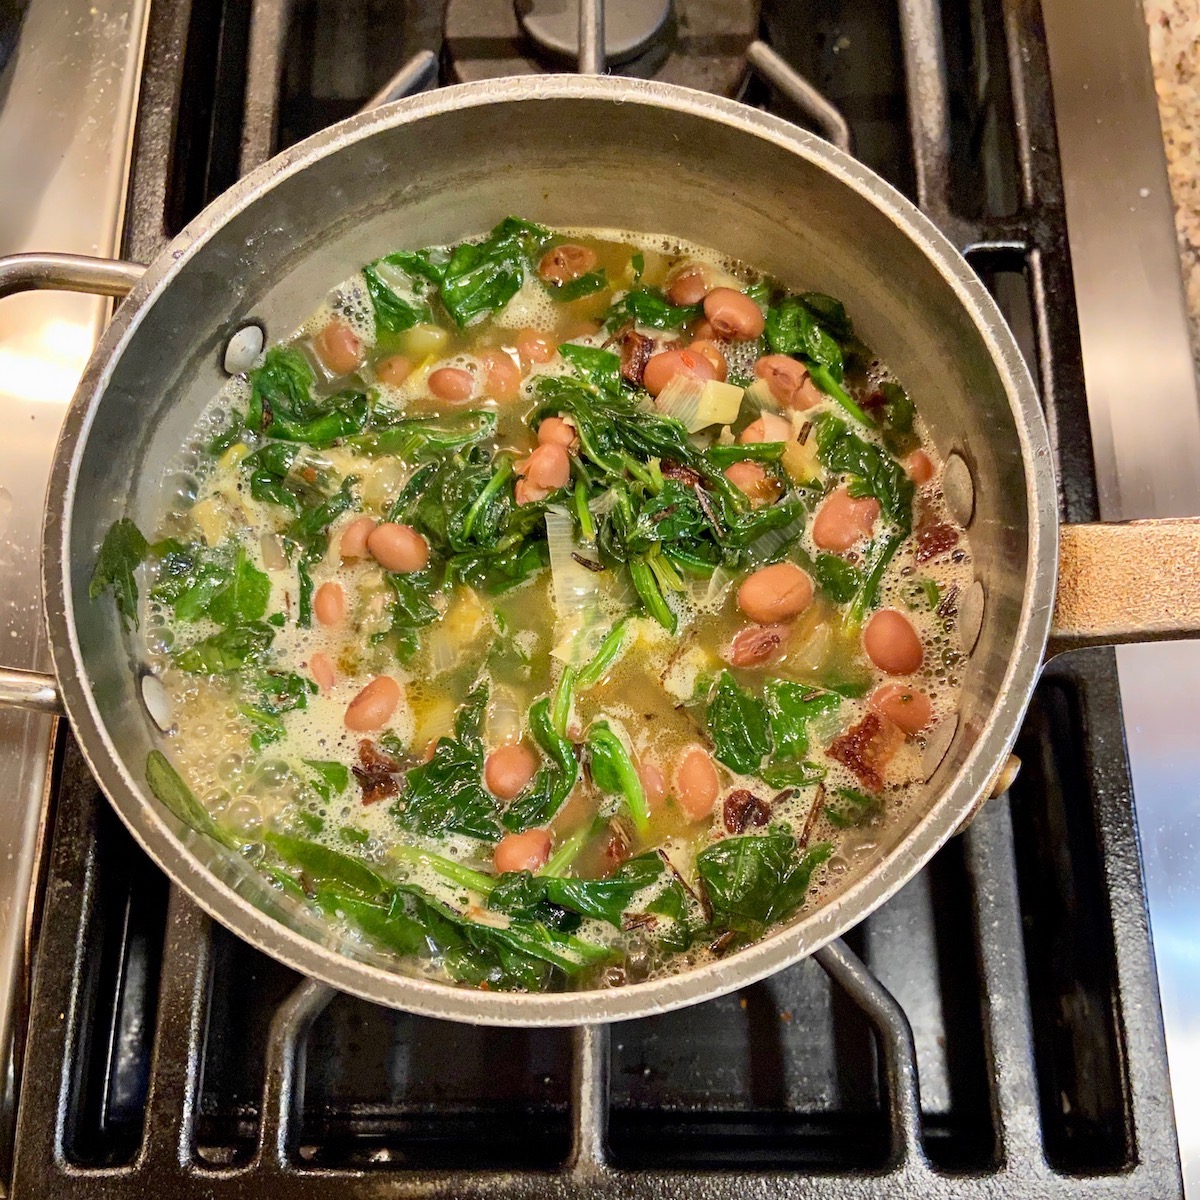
[[933, 540], [867, 748], [743, 809], [377, 773]]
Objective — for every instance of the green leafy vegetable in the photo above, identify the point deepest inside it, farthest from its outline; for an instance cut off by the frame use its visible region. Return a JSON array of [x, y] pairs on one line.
[[310, 533], [837, 578], [522, 895], [613, 772], [165, 782], [872, 471], [848, 807], [446, 794], [417, 438], [895, 417], [738, 725], [576, 289], [649, 307], [544, 796], [244, 597], [755, 880], [231, 650], [790, 707], [482, 277], [121, 553], [794, 328], [393, 313], [601, 368], [282, 404]]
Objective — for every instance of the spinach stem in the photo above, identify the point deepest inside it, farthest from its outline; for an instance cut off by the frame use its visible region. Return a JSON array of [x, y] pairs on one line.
[[560, 861], [865, 596], [448, 869], [609, 651], [646, 585], [587, 526], [602, 739], [560, 712], [497, 481], [834, 390]]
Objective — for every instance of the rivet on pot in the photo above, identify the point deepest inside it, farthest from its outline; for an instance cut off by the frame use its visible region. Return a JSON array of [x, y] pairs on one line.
[[970, 616], [959, 489], [937, 745], [154, 697], [242, 350]]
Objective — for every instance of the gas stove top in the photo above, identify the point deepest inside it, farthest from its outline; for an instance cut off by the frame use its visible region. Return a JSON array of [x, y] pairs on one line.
[[994, 1030]]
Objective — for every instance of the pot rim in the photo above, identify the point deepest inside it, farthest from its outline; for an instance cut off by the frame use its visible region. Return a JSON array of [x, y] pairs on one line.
[[776, 951]]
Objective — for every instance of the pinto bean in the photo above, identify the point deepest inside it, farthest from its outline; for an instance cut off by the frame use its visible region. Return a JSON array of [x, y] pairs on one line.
[[770, 427], [733, 314], [566, 262], [704, 332], [688, 287], [320, 667], [757, 644], [558, 431], [503, 375], [452, 384], [712, 352], [354, 538], [338, 347], [662, 368], [752, 480], [789, 381], [892, 643], [525, 492], [842, 520], [902, 705], [373, 707], [394, 369], [536, 347], [653, 784], [919, 467], [398, 548], [329, 603], [549, 466], [775, 593], [508, 769], [526, 851], [696, 783]]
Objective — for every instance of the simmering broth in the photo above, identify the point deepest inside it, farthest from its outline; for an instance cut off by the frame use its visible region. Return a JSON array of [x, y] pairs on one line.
[[552, 610]]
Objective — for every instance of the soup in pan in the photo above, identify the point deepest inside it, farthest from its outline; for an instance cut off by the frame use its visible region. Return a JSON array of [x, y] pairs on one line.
[[557, 609]]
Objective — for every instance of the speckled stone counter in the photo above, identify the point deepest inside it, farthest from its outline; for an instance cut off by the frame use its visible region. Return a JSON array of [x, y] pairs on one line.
[[1175, 50]]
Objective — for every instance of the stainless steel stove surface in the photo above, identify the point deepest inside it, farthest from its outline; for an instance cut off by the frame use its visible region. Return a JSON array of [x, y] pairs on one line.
[[993, 1031]]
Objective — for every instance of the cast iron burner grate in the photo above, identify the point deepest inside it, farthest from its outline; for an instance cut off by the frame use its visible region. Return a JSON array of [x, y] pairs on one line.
[[992, 1031]]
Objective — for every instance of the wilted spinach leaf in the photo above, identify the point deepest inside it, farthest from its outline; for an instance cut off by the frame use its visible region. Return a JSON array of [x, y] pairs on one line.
[[245, 595], [848, 806], [601, 368], [837, 578], [166, 783], [553, 783], [393, 313], [873, 471], [231, 650], [790, 707], [481, 277], [649, 307], [522, 894], [755, 880], [738, 726], [121, 553], [446, 794]]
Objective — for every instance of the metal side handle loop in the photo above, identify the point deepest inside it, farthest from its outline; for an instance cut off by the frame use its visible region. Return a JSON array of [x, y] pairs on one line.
[[68, 273], [33, 690]]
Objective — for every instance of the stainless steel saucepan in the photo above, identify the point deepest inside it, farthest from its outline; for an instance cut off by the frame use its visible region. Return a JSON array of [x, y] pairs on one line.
[[600, 152]]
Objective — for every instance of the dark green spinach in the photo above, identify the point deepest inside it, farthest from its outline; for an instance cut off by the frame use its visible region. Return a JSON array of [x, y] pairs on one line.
[[121, 553]]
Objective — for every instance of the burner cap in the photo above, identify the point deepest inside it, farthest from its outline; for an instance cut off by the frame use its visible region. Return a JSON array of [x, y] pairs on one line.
[[695, 43], [629, 26]]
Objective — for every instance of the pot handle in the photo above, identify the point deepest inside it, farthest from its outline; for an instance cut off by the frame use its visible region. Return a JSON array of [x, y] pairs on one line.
[[1135, 581], [33, 690]]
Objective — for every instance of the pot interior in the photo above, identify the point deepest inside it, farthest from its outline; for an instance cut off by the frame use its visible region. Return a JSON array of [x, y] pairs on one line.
[[433, 171]]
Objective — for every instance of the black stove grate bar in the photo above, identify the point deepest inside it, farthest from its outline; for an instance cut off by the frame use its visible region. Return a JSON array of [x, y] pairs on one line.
[[1032, 241]]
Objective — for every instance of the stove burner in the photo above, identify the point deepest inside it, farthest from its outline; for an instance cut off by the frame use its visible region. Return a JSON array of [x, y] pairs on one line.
[[696, 43], [629, 26]]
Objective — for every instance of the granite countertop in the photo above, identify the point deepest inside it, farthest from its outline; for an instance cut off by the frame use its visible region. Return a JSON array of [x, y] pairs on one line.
[[1175, 51]]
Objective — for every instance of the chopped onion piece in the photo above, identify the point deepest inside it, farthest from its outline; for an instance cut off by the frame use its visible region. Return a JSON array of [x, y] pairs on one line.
[[578, 593], [766, 547], [273, 556], [758, 400], [700, 403]]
